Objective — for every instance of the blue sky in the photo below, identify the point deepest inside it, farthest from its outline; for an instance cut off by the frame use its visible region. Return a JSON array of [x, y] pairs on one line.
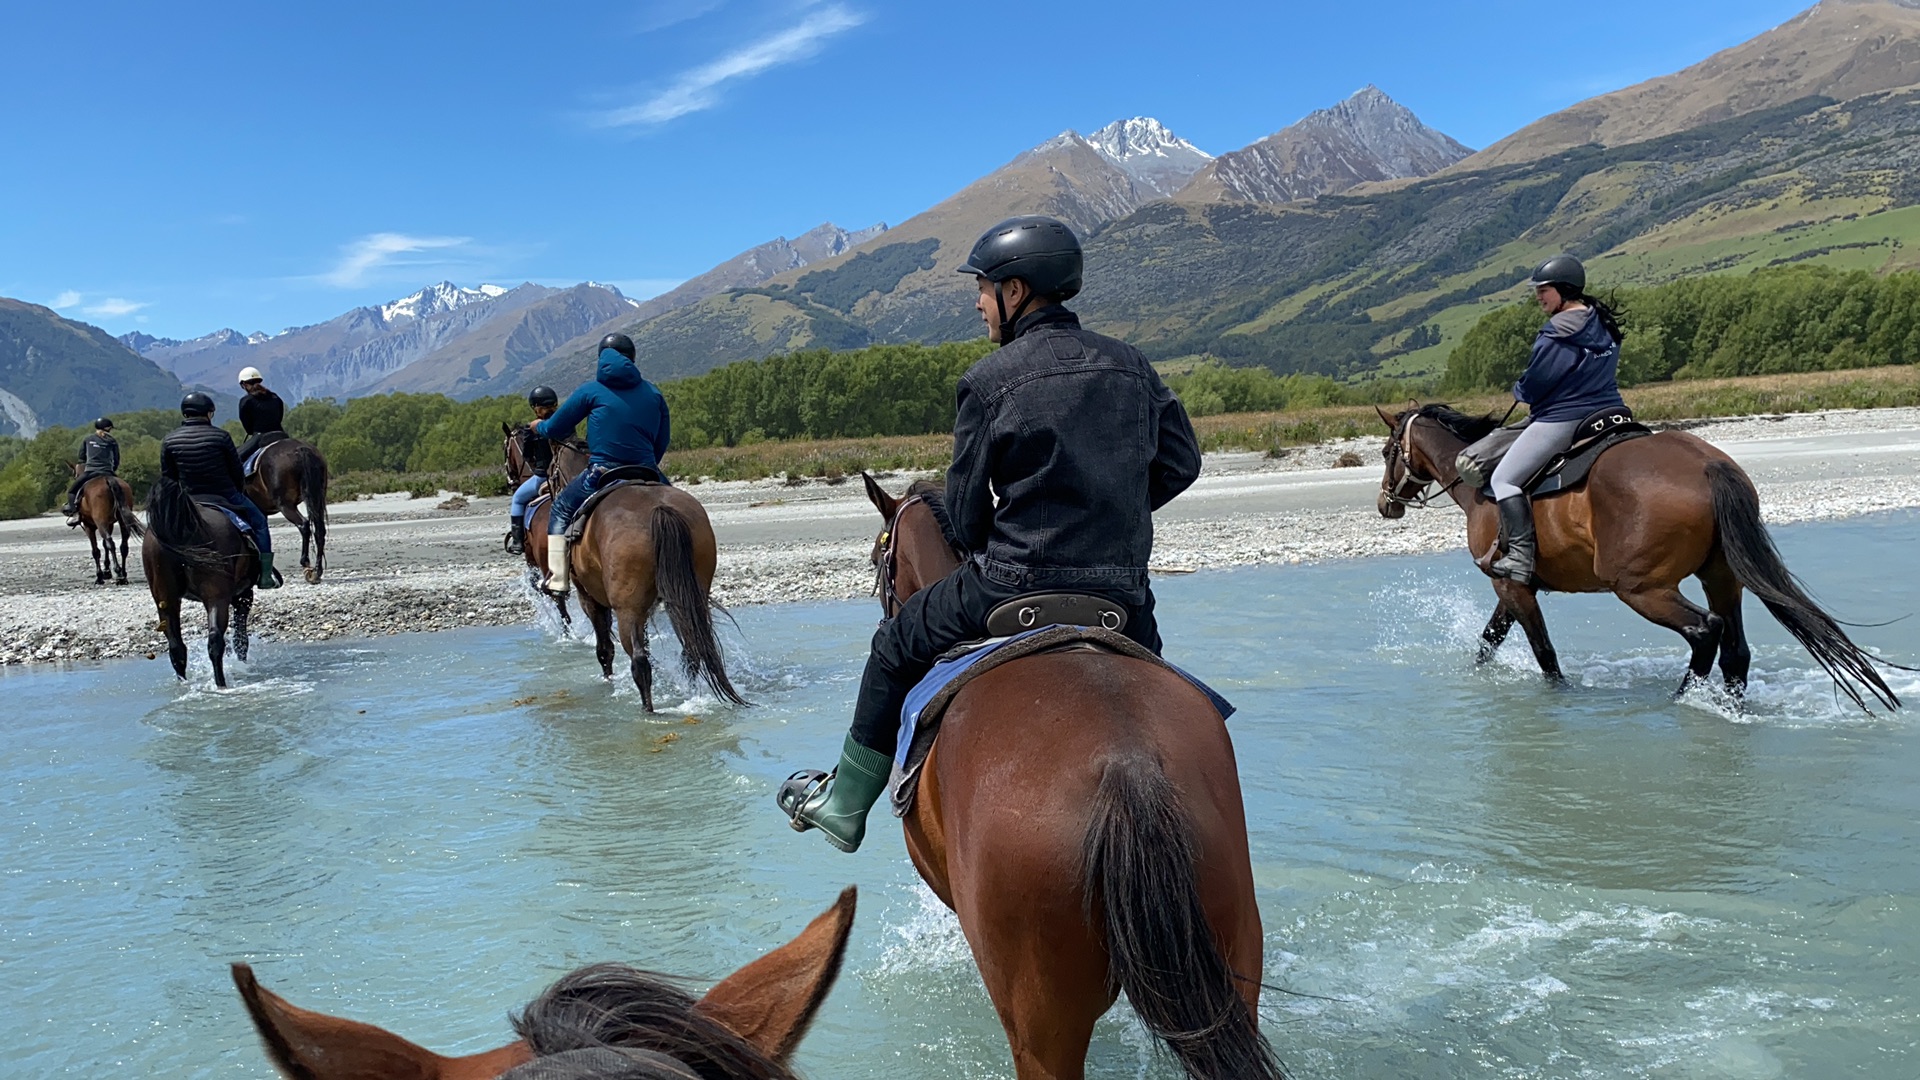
[[180, 168]]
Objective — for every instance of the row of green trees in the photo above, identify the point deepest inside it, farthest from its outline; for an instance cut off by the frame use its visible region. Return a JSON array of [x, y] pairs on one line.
[[1786, 319]]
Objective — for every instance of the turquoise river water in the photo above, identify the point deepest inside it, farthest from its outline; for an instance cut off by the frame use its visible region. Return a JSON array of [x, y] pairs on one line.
[[1475, 875]]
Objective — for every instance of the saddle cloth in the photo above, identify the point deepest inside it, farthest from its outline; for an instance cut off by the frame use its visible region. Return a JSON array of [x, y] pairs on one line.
[[927, 703], [252, 463], [267, 439], [1597, 433], [610, 481]]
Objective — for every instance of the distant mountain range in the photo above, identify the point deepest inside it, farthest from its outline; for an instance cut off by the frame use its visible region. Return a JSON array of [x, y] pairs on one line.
[[57, 371]]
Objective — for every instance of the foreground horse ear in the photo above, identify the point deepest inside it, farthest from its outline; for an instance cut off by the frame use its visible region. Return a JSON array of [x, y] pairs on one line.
[[308, 1045], [1384, 418], [505, 430], [771, 1001], [883, 502]]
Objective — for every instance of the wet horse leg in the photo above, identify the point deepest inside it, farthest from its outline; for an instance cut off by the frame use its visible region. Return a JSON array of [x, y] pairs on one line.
[[176, 642], [1523, 604], [1664, 605], [1495, 634], [1724, 595], [242, 612], [633, 635], [217, 641], [602, 620]]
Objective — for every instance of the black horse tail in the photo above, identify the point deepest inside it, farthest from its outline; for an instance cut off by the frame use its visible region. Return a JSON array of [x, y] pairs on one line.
[[1138, 864], [313, 485], [122, 496], [687, 602], [1751, 556], [175, 522]]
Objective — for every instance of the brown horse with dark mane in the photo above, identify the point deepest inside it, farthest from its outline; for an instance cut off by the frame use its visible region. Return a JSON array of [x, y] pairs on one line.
[[513, 446], [1652, 512], [194, 552], [1080, 812], [106, 503], [643, 545], [291, 473], [600, 1021]]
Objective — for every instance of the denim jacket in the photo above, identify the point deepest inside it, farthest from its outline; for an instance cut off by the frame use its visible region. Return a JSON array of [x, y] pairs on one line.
[[1080, 442]]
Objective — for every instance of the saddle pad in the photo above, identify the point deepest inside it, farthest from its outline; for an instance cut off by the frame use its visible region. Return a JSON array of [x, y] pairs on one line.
[[233, 515], [927, 703], [253, 461], [578, 526]]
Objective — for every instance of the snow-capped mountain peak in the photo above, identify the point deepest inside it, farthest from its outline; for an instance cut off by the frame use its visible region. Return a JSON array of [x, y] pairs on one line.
[[1155, 157], [435, 299]]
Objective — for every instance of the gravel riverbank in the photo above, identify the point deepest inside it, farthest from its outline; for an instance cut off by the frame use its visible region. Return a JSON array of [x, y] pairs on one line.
[[398, 565]]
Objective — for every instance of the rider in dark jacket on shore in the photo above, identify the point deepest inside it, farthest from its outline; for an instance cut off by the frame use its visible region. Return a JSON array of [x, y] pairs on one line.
[[99, 456], [1080, 441], [262, 414], [201, 458]]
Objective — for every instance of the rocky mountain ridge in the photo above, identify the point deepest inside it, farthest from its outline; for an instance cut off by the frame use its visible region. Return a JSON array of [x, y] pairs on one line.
[[54, 370]]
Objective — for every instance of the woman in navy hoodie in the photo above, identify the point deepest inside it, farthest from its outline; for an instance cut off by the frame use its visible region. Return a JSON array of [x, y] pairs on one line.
[[1574, 373]]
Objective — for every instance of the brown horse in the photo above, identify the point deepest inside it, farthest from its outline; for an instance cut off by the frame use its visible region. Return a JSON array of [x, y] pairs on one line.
[[1081, 813], [1652, 512], [289, 473], [645, 544], [106, 502], [747, 1027], [193, 552], [513, 446]]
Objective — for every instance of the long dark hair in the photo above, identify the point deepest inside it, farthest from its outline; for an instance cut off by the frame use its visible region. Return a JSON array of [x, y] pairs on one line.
[[1611, 315]]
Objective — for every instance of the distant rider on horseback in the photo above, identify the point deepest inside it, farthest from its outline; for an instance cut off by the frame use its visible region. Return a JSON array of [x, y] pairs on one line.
[[1065, 443], [262, 414], [627, 424], [1573, 373], [202, 459], [99, 456], [538, 454]]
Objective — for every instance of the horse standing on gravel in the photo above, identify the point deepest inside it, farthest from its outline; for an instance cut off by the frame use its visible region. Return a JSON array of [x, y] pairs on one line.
[[106, 503], [1652, 512], [195, 552], [288, 473]]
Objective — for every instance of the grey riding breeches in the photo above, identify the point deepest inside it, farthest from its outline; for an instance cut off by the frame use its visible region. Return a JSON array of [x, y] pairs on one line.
[[1536, 446]]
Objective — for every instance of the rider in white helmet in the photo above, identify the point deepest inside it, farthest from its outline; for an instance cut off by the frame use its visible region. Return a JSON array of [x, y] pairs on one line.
[[262, 413]]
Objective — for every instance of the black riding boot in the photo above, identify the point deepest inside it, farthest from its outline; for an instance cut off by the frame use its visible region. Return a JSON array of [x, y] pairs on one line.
[[1516, 536], [516, 538]]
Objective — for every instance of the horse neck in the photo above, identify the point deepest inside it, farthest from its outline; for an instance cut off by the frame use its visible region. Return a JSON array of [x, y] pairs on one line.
[[567, 464], [1439, 448], [921, 549]]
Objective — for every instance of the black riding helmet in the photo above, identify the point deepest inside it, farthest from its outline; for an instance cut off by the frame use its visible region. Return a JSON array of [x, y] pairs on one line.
[[1563, 272], [1040, 251], [103, 424], [619, 343], [196, 404], [545, 395]]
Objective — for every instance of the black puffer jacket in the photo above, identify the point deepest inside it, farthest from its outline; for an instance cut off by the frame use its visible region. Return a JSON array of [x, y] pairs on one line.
[[1082, 442], [260, 413], [100, 455], [203, 459]]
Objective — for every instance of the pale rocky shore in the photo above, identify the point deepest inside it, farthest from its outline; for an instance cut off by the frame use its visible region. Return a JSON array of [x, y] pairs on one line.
[[399, 565]]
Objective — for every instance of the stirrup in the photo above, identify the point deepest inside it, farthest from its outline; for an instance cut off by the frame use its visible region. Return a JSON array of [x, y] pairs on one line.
[[799, 790]]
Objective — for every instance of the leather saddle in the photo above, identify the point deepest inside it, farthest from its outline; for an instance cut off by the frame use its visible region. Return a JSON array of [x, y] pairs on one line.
[[611, 481], [1598, 433], [1023, 613]]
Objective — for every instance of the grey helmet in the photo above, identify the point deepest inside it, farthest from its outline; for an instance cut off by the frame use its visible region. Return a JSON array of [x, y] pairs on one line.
[[196, 404], [1561, 270], [543, 395]]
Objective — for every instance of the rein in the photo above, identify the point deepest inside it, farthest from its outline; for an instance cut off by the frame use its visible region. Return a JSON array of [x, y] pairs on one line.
[[889, 559], [1412, 490]]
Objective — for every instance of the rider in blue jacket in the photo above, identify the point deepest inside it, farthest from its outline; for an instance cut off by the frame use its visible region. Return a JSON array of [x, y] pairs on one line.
[[627, 424]]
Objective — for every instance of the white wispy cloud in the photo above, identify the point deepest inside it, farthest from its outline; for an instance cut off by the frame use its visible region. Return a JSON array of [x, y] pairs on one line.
[[370, 253], [700, 87], [660, 14], [113, 307], [65, 300]]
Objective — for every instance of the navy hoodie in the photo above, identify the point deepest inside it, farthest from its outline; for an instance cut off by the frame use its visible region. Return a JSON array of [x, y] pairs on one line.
[[625, 414], [1575, 369]]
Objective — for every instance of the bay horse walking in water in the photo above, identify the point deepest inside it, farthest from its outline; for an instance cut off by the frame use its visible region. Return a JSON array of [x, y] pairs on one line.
[[604, 1020], [106, 503], [194, 552], [1652, 512], [513, 445], [644, 545], [1080, 812], [291, 473]]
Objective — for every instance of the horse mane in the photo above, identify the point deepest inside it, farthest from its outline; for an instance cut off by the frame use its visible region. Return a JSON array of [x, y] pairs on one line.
[[1470, 428], [614, 1005], [936, 488]]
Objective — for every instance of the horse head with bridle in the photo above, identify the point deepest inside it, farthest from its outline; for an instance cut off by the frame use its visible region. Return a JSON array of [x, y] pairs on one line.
[[1080, 811], [106, 503], [1652, 512], [598, 1022], [289, 474], [194, 552]]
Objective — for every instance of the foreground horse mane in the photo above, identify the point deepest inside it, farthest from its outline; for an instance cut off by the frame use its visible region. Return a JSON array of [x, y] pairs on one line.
[[1470, 428], [622, 1006], [926, 487]]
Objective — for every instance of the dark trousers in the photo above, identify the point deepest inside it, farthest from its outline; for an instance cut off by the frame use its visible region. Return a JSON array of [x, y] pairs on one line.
[[950, 612], [73, 489], [252, 515], [257, 440], [566, 502]]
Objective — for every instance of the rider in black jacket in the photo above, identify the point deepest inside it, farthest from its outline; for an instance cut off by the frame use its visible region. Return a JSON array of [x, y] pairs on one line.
[[202, 459], [99, 456], [1065, 443], [262, 414]]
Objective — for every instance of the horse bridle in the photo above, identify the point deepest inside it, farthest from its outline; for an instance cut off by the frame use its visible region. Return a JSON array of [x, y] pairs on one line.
[[1412, 488], [889, 559]]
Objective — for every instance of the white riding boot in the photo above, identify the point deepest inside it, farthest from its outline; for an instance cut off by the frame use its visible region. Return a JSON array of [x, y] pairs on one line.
[[557, 565]]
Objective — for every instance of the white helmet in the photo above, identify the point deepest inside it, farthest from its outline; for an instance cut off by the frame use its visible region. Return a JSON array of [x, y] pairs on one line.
[[250, 374]]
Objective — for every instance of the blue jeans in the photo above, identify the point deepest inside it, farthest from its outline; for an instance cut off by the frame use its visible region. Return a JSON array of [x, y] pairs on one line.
[[250, 514], [567, 503], [525, 494]]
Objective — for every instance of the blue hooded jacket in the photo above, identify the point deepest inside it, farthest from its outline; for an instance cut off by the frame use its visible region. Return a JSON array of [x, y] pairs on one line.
[[626, 415], [1575, 369]]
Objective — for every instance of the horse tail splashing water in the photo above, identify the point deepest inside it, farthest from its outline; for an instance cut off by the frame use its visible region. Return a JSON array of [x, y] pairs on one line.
[[687, 603], [1750, 554], [1138, 867]]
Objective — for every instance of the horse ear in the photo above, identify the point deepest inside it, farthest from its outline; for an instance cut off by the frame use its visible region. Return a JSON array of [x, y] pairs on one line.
[[314, 1046], [506, 430], [1384, 418], [883, 502], [771, 1001]]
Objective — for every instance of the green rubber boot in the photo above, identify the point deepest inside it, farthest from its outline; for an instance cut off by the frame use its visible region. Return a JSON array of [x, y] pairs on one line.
[[267, 579], [837, 803]]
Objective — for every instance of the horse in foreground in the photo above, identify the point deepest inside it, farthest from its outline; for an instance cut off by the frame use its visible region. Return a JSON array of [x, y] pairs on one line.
[[643, 545], [106, 503], [1080, 812], [601, 1021], [194, 552], [288, 474], [1653, 512]]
